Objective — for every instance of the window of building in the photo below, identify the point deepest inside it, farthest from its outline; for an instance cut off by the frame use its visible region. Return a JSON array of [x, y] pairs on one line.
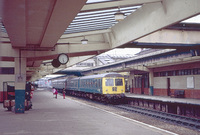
[[7, 70], [156, 74], [195, 71]]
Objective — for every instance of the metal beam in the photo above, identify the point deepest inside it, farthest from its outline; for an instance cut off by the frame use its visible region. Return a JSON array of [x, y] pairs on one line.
[[173, 36], [63, 13], [74, 60], [152, 17], [114, 4], [162, 45], [73, 35], [71, 50]]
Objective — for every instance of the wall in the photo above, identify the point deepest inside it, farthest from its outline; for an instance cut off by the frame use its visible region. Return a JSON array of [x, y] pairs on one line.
[[178, 83]]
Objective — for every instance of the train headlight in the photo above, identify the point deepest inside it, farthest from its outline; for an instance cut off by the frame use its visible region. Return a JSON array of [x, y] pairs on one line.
[[106, 91]]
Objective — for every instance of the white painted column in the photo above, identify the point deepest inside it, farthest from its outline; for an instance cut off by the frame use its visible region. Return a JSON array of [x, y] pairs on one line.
[[20, 83]]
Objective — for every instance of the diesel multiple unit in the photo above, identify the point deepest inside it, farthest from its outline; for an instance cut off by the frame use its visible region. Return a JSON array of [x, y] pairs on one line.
[[103, 87]]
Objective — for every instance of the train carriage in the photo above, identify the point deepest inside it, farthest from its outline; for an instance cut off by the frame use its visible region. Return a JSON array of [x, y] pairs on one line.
[[72, 84], [90, 84], [59, 84]]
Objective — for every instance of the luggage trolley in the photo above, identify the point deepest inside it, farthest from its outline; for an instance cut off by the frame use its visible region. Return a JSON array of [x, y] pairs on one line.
[[9, 95]]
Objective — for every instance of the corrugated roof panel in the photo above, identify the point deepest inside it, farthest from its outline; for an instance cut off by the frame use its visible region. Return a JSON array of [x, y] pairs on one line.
[[97, 20]]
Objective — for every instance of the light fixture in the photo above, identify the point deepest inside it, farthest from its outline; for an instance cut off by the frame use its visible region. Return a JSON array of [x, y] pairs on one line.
[[119, 15], [84, 41]]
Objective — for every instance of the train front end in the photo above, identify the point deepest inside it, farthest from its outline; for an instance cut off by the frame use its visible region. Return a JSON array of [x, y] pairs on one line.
[[113, 87]]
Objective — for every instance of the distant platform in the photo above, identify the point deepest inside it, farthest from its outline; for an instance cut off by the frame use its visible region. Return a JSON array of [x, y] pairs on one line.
[[165, 99]]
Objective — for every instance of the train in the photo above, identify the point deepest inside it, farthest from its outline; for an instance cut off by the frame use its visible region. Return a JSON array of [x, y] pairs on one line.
[[107, 87]]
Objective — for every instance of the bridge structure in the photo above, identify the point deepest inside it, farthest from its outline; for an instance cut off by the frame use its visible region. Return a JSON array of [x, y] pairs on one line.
[[37, 31]]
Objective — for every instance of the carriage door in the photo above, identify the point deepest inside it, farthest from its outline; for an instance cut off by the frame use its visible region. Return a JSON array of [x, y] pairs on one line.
[[133, 86], [168, 86]]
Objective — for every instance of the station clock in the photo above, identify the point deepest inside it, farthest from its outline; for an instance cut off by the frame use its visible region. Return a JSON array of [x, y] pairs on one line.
[[63, 58]]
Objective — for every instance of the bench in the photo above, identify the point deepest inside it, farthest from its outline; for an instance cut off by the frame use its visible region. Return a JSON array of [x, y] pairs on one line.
[[179, 93]]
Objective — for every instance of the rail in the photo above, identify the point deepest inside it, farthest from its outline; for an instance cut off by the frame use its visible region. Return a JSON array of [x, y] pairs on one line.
[[192, 123]]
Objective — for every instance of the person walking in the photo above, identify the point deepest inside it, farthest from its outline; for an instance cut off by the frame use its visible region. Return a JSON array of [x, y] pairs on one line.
[[56, 93], [53, 91], [63, 93]]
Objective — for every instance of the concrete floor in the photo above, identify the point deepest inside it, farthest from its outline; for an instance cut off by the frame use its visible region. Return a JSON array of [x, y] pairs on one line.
[[51, 116]]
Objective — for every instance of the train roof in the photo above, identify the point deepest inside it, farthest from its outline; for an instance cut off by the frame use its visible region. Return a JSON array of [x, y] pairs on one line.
[[59, 80], [102, 75]]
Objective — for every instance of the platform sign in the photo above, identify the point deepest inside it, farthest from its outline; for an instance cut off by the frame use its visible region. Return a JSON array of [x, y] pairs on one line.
[[20, 78], [190, 82]]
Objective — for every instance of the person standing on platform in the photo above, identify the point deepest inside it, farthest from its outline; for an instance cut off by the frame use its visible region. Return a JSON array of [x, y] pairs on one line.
[[63, 93], [56, 93]]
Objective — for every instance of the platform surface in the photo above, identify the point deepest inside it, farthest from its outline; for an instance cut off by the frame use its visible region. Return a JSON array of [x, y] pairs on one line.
[[51, 116], [165, 99]]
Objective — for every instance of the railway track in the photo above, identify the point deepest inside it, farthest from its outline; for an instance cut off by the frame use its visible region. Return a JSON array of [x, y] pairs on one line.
[[192, 123]]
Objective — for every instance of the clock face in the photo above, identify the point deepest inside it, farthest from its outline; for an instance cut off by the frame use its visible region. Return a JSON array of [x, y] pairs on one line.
[[63, 58]]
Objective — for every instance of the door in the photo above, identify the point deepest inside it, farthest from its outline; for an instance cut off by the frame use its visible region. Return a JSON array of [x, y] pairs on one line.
[[168, 87], [142, 85], [132, 88]]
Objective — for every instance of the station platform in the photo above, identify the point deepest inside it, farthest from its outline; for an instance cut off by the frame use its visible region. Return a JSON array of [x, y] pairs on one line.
[[179, 106], [51, 116], [165, 99]]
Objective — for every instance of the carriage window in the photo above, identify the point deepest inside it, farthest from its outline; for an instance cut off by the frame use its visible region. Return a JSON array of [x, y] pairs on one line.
[[118, 82], [109, 82]]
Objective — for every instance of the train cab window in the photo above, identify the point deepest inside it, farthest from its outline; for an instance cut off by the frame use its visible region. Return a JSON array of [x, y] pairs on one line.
[[118, 82], [109, 82]]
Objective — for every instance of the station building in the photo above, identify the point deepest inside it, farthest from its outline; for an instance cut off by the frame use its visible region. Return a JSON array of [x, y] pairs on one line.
[[167, 73]]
